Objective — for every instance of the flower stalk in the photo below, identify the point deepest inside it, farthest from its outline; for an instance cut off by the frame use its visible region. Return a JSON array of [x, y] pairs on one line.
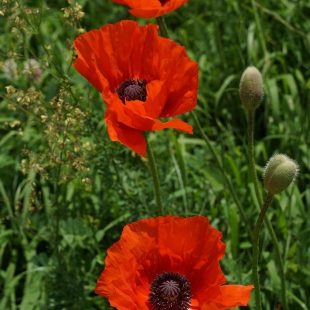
[[256, 250], [250, 127], [162, 27], [154, 173], [250, 130]]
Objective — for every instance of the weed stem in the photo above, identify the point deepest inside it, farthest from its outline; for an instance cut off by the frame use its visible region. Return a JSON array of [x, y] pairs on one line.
[[162, 27], [256, 250], [154, 172]]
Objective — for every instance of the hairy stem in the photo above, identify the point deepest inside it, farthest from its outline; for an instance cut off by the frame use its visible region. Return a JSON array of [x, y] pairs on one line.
[[258, 226], [250, 125]]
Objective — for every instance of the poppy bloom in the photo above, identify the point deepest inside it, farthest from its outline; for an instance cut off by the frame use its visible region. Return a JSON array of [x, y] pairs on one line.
[[169, 263], [151, 8], [141, 76]]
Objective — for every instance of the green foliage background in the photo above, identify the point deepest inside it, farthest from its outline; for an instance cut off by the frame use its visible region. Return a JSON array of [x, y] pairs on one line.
[[67, 204]]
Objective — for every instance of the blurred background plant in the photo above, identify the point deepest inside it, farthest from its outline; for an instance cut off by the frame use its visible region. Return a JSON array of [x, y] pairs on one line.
[[66, 190]]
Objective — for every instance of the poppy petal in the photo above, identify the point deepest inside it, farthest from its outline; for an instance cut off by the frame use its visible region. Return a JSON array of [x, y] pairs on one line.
[[127, 116], [182, 98], [147, 12], [163, 80], [123, 262], [151, 8], [84, 63], [232, 296], [128, 136], [149, 247]]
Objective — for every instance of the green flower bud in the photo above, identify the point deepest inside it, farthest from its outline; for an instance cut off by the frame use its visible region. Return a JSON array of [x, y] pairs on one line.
[[251, 88], [279, 173]]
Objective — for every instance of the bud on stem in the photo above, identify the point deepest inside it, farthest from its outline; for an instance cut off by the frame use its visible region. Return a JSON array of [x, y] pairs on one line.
[[279, 173], [251, 88]]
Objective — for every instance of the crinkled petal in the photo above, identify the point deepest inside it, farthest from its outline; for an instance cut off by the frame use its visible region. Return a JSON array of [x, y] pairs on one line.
[[123, 264], [85, 46], [129, 116], [151, 8], [152, 246], [231, 297], [128, 136], [187, 254], [117, 53], [182, 95]]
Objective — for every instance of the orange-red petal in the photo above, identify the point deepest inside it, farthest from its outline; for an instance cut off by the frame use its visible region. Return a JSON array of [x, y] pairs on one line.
[[130, 137], [151, 8], [129, 117], [118, 53], [84, 63], [150, 247], [231, 297]]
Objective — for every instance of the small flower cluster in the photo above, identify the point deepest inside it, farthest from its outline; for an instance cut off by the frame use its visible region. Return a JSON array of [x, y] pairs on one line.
[[63, 127], [29, 100], [31, 69], [19, 18], [74, 15], [23, 22]]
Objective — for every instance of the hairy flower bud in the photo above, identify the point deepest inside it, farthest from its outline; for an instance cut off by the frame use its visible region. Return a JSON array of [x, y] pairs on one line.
[[279, 173], [251, 88]]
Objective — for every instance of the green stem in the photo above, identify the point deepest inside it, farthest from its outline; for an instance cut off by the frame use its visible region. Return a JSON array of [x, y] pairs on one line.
[[251, 114], [227, 180], [250, 125], [154, 172], [256, 250], [162, 27]]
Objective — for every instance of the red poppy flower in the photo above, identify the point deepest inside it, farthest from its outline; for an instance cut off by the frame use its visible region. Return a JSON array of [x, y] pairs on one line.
[[151, 8], [169, 263], [142, 77]]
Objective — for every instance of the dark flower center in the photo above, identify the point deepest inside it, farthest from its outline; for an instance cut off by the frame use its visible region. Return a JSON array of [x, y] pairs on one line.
[[163, 2], [132, 90], [170, 291]]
